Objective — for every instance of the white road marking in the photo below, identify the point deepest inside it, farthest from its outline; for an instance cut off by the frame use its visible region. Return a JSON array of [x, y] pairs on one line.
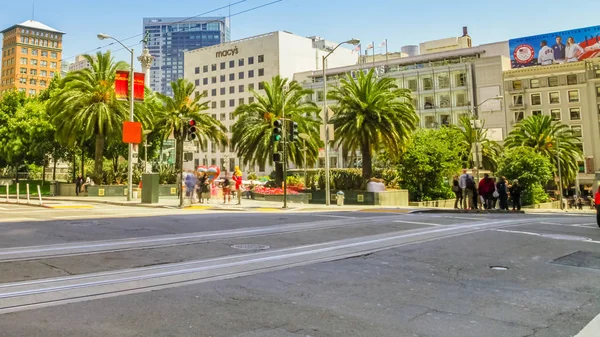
[[592, 329], [464, 218], [419, 223], [517, 232]]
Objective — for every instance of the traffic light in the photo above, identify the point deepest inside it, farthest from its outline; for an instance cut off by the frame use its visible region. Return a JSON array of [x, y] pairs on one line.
[[191, 130], [276, 157], [277, 130], [294, 132]]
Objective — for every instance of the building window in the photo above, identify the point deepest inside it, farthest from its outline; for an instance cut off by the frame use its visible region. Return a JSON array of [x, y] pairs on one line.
[[261, 58], [52, 74], [553, 81], [222, 91], [232, 77], [241, 101], [213, 79], [53, 55], [205, 69], [32, 91], [196, 82], [213, 67], [575, 114], [231, 102], [261, 72], [232, 90], [573, 96], [22, 80], [223, 78], [518, 116], [34, 62], [250, 100], [250, 73], [534, 83], [44, 53], [536, 113], [222, 65], [443, 82], [213, 104], [572, 79], [222, 105], [412, 84], [597, 91], [554, 97], [213, 92], [241, 75], [536, 99], [205, 81], [517, 85], [43, 73], [251, 60], [320, 96], [241, 88], [197, 70], [23, 70], [231, 64], [555, 114], [577, 130], [231, 116], [461, 99], [444, 101], [23, 60], [24, 51], [461, 79], [240, 62], [34, 52], [53, 65], [517, 100], [445, 120], [429, 104], [250, 86], [427, 83], [261, 85], [33, 72]]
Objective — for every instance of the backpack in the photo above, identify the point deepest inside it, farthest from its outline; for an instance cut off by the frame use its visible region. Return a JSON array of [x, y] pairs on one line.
[[470, 182]]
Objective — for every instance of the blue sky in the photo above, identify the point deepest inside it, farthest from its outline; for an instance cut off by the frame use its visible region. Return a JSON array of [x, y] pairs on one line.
[[402, 22]]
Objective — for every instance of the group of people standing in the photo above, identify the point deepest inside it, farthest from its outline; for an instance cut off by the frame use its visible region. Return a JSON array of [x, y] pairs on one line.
[[200, 187], [81, 184], [487, 194]]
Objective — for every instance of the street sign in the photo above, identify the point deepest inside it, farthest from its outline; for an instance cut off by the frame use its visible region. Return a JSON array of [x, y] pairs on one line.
[[132, 132], [330, 131], [134, 156], [189, 147]]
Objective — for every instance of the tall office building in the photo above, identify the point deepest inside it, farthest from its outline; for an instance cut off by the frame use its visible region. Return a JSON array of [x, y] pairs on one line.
[[169, 38], [31, 54]]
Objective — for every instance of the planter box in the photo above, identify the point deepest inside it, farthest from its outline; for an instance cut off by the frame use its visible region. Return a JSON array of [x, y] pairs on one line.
[[546, 205], [167, 190], [448, 203], [386, 198], [301, 198]]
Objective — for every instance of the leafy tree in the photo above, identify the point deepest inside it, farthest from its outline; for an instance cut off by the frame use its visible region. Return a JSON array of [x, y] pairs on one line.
[[253, 131], [545, 137], [179, 109], [490, 150], [86, 106], [531, 168], [372, 114], [428, 161]]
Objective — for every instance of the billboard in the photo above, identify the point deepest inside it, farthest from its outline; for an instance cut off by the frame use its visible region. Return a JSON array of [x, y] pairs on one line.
[[555, 48], [121, 85]]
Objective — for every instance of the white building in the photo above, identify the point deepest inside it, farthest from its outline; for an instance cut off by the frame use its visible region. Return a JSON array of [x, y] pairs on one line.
[[447, 44], [228, 71], [79, 64]]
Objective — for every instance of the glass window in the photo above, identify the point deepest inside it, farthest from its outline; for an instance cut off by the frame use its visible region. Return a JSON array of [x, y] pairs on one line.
[[23, 60], [213, 104], [24, 50], [518, 116], [534, 83], [53, 65], [232, 77], [261, 72], [517, 100], [536, 99], [213, 92], [517, 85], [197, 70], [32, 91], [34, 62], [555, 114], [231, 64], [32, 81], [32, 72], [44, 73], [223, 65], [553, 81], [222, 91], [597, 91], [412, 84], [461, 99], [213, 79], [205, 81], [223, 78], [444, 101], [240, 62], [231, 117], [572, 79], [536, 113], [231, 102], [443, 82], [445, 120], [23, 70], [222, 105], [213, 67], [250, 86], [427, 83], [251, 60], [429, 104], [461, 79], [261, 85], [232, 90], [554, 97], [250, 100], [577, 130], [53, 55], [241, 88], [241, 101], [250, 73], [320, 96], [575, 114], [34, 52], [241, 75], [205, 69], [573, 95], [261, 58], [197, 82]]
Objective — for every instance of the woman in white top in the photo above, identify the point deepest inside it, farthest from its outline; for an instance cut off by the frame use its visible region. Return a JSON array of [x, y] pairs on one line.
[[573, 50]]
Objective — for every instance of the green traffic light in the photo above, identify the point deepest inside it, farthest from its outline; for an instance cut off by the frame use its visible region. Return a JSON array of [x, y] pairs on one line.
[[276, 138]]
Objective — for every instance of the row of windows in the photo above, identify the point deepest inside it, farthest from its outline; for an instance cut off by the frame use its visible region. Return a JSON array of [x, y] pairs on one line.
[[223, 91], [34, 52], [34, 62], [223, 78], [552, 81], [556, 114], [553, 98], [39, 42], [38, 33], [23, 71], [441, 81], [223, 65]]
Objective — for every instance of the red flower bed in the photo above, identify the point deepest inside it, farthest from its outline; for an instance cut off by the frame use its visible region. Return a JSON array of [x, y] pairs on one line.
[[272, 190]]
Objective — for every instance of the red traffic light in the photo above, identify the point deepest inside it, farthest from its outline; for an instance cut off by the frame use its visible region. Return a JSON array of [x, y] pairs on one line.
[[192, 122]]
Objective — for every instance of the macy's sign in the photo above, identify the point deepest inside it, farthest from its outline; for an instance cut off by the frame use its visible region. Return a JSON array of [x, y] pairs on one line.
[[228, 52]]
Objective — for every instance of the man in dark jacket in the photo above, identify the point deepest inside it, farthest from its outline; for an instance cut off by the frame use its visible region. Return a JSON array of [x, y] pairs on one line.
[[78, 184], [515, 195]]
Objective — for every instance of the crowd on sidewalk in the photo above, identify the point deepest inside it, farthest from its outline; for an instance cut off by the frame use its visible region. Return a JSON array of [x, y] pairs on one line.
[[203, 188], [488, 194]]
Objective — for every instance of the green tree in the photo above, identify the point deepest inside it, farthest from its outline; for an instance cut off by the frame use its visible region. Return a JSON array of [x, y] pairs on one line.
[[253, 131], [86, 106], [531, 168], [372, 114], [428, 161], [490, 150], [179, 109], [545, 137]]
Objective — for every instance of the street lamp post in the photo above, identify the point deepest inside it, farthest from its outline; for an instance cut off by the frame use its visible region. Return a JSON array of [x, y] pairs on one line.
[[305, 137], [326, 119], [131, 117], [478, 126]]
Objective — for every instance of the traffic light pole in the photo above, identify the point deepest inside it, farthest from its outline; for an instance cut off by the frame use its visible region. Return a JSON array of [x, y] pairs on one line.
[[285, 136]]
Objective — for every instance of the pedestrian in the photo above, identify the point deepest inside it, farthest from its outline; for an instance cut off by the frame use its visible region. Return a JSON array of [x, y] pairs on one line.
[[502, 193], [204, 189], [190, 186], [486, 189], [597, 203], [467, 185], [226, 189], [515, 195], [237, 178], [457, 193], [78, 184]]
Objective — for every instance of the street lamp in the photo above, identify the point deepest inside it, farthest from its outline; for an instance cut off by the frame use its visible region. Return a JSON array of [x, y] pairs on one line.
[[305, 137], [326, 115], [477, 125], [102, 36]]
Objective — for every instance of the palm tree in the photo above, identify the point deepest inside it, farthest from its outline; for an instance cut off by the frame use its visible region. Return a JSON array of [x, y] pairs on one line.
[[372, 114], [490, 150], [546, 137], [176, 112], [253, 130], [86, 106]]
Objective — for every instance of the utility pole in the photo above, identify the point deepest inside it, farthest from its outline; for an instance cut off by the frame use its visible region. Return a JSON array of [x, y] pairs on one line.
[[285, 136]]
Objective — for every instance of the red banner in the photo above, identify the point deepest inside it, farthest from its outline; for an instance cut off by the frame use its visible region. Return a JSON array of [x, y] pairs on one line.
[[121, 85], [139, 86], [132, 132]]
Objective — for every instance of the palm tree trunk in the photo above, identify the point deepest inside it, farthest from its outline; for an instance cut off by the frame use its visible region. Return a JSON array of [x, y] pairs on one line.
[[98, 158], [54, 167], [179, 166], [367, 169]]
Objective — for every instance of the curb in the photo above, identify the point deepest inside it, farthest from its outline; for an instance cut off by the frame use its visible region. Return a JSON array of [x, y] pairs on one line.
[[108, 202], [460, 211]]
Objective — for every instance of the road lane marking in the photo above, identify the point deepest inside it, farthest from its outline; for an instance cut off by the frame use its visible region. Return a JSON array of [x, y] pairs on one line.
[[517, 232], [592, 329], [421, 223]]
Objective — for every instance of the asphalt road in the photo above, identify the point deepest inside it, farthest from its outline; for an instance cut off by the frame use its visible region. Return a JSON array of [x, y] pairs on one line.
[[323, 274]]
